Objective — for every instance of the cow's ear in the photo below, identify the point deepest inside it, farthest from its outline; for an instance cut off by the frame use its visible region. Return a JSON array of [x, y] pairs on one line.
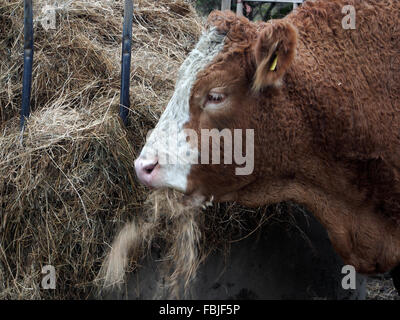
[[274, 52]]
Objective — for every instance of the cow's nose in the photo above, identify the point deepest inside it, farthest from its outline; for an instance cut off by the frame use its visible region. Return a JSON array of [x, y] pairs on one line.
[[145, 170]]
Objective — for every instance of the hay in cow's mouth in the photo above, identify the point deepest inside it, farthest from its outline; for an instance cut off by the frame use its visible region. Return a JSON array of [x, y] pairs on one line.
[[188, 234], [167, 220]]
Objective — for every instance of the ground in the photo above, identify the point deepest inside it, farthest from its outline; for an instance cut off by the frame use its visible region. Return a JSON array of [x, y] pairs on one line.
[[381, 288]]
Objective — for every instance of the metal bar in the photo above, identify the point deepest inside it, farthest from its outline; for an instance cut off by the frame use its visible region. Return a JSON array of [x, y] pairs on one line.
[[126, 61], [28, 62], [239, 8], [226, 5]]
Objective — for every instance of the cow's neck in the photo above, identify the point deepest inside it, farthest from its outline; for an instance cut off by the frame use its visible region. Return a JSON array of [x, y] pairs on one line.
[[354, 236]]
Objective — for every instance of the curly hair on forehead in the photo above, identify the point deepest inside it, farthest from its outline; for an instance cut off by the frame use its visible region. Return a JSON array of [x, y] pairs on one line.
[[240, 38], [237, 29]]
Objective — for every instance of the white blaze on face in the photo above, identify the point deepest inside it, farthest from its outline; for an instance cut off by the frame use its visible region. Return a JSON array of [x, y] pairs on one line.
[[167, 142]]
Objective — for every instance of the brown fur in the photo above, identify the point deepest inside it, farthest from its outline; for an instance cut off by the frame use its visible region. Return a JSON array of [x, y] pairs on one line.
[[327, 123]]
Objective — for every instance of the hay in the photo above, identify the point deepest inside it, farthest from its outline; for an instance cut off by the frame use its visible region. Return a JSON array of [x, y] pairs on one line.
[[164, 220], [185, 235], [79, 61]]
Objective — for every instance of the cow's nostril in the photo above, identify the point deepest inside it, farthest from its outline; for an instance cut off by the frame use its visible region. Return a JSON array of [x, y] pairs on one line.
[[145, 170], [149, 168]]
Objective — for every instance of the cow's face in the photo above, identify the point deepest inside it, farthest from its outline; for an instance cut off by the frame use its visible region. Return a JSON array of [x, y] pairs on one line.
[[206, 141]]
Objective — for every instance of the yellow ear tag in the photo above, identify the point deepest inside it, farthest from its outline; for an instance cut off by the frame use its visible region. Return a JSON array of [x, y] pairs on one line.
[[274, 63]]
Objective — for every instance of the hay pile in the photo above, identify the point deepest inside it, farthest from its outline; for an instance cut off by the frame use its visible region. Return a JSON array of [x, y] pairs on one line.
[[70, 187], [78, 63]]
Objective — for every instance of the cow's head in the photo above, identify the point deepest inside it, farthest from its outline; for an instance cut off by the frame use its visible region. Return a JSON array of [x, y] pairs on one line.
[[223, 88]]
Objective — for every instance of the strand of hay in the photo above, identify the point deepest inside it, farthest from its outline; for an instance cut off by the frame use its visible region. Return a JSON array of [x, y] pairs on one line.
[[129, 242], [184, 255], [165, 219], [179, 227]]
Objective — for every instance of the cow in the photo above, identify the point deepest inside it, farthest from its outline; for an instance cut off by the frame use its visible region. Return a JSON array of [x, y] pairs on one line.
[[322, 101]]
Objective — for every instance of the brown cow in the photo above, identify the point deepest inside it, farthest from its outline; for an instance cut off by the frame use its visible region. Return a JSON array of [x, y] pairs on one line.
[[323, 102]]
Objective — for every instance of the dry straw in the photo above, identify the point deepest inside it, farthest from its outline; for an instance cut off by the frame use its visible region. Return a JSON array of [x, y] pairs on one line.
[[70, 187]]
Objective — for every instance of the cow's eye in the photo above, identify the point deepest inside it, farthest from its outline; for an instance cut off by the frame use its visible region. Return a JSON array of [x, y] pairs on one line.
[[214, 99]]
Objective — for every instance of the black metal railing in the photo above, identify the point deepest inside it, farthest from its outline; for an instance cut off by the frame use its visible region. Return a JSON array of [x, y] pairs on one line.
[[28, 61], [126, 60]]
